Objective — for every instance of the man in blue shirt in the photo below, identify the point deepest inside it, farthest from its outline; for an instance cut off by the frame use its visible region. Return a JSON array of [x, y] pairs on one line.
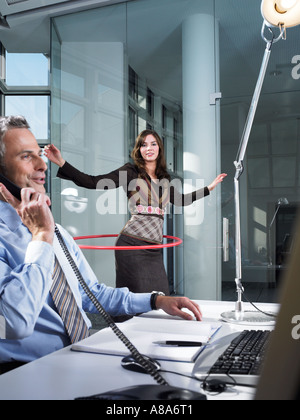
[[28, 246]]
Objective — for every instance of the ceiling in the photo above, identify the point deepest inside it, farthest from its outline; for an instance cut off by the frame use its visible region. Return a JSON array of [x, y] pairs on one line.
[[25, 24]]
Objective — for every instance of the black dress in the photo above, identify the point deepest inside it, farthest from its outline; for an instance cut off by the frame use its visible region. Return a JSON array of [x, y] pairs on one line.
[[142, 271]]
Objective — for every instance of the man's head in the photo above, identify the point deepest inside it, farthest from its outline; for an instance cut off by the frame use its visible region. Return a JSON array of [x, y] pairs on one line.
[[20, 155]]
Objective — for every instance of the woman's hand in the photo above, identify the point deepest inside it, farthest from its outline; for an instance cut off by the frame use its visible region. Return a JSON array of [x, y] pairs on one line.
[[54, 155], [216, 182]]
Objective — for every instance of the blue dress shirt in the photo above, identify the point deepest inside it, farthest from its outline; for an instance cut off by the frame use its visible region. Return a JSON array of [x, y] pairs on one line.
[[33, 325]]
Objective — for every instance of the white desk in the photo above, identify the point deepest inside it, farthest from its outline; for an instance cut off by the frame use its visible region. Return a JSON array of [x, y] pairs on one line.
[[65, 374]]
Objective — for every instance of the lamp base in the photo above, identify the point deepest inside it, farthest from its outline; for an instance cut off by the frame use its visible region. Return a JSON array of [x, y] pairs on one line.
[[248, 318]]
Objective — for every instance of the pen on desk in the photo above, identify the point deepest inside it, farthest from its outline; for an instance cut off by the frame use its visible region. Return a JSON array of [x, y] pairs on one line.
[[179, 343]]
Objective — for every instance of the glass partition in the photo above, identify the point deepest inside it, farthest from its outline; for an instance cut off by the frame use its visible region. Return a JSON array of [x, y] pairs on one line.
[[270, 183], [89, 119], [120, 71], [164, 65]]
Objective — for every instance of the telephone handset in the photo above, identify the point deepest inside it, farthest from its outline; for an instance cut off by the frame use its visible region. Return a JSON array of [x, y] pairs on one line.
[[164, 389], [12, 188]]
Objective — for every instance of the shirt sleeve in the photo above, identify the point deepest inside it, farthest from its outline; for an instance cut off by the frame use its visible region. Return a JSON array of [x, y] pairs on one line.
[[112, 180], [183, 200], [24, 289], [118, 302]]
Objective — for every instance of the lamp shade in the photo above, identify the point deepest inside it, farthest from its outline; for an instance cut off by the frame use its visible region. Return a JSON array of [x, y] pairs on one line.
[[281, 12], [283, 202]]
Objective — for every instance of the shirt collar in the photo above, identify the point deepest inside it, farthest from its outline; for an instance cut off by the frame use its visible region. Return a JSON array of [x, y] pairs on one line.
[[9, 216]]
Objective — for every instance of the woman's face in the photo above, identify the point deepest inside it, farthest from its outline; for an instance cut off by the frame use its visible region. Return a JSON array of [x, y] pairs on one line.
[[150, 149]]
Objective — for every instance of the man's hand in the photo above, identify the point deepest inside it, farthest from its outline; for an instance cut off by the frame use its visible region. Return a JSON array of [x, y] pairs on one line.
[[34, 211], [174, 305]]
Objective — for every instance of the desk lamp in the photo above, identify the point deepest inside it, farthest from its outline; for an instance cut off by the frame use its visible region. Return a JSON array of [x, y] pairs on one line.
[[278, 15], [281, 202]]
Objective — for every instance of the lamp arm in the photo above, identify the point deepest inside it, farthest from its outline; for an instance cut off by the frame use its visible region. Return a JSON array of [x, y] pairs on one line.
[[269, 236], [240, 158], [251, 115], [273, 220]]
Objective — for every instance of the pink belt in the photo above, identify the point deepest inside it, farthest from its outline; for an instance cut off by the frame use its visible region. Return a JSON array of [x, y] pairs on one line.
[[149, 210]]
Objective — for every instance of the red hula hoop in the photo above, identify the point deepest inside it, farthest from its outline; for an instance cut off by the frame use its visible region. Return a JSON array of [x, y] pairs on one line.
[[177, 242]]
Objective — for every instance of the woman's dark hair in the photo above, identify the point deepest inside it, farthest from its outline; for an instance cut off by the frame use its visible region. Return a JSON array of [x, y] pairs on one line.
[[161, 165]]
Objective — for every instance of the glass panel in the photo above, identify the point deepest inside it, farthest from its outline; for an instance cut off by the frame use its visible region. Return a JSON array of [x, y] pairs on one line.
[[34, 108], [159, 59], [55, 117], [284, 135], [88, 73], [259, 172], [272, 159], [115, 77], [284, 171], [27, 70]]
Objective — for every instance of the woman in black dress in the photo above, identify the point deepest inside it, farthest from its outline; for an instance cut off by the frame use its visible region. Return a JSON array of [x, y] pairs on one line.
[[149, 189]]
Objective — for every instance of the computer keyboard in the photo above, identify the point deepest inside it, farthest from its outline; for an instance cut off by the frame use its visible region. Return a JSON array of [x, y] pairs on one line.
[[242, 359]]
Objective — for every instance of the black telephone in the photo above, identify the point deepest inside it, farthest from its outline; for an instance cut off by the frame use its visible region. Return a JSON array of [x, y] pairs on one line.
[[160, 391], [12, 188]]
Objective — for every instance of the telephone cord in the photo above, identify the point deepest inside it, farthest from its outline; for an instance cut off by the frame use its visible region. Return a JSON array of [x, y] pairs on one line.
[[107, 318]]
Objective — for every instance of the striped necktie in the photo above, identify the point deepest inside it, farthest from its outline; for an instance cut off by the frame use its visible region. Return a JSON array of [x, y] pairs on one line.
[[66, 305]]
